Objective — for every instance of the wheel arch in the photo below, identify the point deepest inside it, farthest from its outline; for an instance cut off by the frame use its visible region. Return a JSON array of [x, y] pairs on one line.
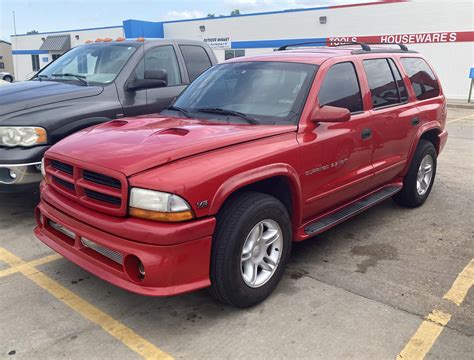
[[429, 133], [278, 180]]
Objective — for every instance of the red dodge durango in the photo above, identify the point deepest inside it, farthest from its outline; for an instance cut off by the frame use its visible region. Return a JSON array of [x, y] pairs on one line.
[[257, 153]]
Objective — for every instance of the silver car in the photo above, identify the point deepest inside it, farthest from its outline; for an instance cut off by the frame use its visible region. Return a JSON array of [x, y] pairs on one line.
[[6, 76]]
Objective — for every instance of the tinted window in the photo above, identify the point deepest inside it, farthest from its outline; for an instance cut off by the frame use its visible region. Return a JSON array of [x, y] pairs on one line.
[[163, 58], [196, 59], [230, 54], [381, 82], [422, 78], [402, 90], [268, 92], [341, 88]]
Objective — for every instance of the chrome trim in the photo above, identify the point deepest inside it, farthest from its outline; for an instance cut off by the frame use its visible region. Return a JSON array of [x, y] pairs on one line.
[[16, 165]]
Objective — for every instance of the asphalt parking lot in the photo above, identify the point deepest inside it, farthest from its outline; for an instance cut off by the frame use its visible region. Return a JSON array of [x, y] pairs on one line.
[[389, 283]]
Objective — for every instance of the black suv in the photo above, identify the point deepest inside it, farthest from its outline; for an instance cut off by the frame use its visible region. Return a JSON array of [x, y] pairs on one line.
[[90, 84]]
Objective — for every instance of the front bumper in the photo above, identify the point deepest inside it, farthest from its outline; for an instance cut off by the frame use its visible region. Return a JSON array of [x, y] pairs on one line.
[[169, 269], [20, 174]]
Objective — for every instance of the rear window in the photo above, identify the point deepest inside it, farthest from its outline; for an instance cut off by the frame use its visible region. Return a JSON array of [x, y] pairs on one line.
[[402, 90], [422, 78], [196, 59], [382, 84]]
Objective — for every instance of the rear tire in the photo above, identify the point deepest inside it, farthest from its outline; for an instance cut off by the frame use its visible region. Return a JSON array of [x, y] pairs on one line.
[[8, 78], [419, 180], [247, 223]]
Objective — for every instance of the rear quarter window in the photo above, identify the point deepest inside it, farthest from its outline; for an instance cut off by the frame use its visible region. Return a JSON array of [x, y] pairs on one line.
[[422, 78], [196, 59]]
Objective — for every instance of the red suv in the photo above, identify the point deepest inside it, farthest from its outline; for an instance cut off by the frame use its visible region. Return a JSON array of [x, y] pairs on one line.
[[255, 154]]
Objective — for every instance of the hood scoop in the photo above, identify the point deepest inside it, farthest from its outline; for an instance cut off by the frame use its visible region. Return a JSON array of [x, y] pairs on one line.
[[172, 131]]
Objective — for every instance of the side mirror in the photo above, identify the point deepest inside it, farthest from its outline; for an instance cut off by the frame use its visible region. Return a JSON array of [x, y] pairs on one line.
[[331, 114], [152, 79]]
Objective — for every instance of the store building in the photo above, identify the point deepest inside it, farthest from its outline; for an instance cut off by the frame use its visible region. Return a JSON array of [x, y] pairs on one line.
[[442, 31]]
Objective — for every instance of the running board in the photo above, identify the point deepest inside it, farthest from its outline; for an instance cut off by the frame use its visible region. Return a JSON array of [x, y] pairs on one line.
[[345, 213]]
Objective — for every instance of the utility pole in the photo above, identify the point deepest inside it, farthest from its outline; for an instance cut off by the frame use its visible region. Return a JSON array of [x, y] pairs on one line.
[[16, 46], [14, 23]]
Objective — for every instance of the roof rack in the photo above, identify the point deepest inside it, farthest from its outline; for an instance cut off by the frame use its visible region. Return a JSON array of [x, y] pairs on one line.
[[364, 46]]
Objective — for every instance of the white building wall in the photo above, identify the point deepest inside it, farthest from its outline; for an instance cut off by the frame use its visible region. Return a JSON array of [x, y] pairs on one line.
[[31, 43], [451, 60]]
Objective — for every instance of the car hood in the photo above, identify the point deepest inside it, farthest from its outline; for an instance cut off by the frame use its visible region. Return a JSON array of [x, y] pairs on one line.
[[137, 144], [30, 94]]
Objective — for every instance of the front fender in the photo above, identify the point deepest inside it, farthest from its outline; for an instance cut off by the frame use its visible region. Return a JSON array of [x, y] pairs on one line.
[[248, 177]]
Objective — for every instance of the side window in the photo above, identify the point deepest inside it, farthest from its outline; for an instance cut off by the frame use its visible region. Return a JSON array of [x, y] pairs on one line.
[[161, 58], [196, 60], [341, 88], [423, 80], [381, 82], [402, 90]]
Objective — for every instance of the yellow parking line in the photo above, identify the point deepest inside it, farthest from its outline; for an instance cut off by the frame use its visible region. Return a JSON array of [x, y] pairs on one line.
[[470, 117], [28, 267], [115, 328], [426, 335], [461, 285]]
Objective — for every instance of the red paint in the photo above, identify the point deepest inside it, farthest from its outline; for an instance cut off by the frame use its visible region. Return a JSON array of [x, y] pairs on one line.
[[325, 165]]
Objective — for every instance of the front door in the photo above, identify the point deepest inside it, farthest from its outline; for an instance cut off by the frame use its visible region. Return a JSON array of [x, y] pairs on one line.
[[336, 157]]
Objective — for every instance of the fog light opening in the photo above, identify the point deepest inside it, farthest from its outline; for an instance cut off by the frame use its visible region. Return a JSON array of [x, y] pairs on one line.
[[134, 268], [12, 174], [141, 270]]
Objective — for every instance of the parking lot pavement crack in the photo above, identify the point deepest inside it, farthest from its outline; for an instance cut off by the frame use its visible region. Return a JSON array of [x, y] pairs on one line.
[[422, 317]]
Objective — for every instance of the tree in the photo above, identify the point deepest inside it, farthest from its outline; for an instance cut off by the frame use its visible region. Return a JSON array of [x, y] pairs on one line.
[[32, 32], [211, 15], [235, 12]]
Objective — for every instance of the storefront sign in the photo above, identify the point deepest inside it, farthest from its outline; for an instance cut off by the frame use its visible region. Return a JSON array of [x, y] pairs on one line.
[[436, 37], [219, 42]]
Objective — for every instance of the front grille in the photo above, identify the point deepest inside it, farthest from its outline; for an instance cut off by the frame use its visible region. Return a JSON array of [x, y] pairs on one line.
[[108, 253], [64, 183], [101, 179], [103, 197], [58, 165], [107, 193]]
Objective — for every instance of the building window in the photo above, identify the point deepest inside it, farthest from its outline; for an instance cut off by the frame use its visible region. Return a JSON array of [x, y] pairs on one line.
[[35, 62], [55, 56], [230, 54], [2, 65]]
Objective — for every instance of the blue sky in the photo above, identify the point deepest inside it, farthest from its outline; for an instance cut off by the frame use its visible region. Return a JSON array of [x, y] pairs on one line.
[[54, 15]]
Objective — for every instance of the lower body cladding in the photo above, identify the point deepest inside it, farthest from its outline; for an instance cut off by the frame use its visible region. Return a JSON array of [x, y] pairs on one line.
[[16, 177], [145, 269]]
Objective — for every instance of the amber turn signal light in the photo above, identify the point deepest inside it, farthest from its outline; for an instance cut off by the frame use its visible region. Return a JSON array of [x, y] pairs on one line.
[[161, 216]]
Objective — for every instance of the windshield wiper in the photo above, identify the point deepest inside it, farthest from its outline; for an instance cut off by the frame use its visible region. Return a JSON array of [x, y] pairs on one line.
[[78, 77], [229, 112], [181, 110]]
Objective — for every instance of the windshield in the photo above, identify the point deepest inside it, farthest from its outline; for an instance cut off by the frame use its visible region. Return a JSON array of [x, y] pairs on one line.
[[99, 63], [254, 92]]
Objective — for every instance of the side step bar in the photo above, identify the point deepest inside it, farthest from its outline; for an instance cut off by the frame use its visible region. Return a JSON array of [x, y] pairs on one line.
[[329, 221]]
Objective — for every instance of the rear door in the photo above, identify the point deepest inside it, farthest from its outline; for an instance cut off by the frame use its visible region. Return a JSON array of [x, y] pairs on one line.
[[395, 118], [336, 157]]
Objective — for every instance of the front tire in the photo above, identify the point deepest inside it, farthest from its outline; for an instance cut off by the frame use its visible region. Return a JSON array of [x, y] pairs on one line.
[[419, 180], [251, 246], [8, 78]]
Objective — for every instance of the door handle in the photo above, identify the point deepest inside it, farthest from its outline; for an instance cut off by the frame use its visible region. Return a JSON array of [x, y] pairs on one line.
[[415, 121], [366, 134]]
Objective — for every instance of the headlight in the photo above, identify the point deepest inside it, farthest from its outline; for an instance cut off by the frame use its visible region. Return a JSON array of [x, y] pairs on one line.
[[22, 136], [159, 206]]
